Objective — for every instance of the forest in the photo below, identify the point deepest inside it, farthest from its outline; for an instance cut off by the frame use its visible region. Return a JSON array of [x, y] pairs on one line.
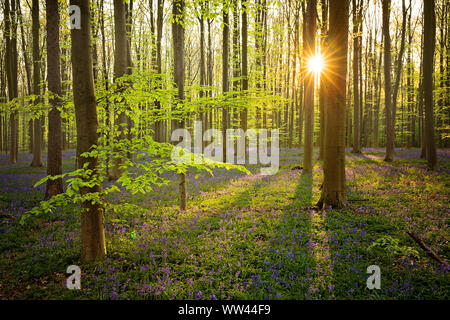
[[224, 150]]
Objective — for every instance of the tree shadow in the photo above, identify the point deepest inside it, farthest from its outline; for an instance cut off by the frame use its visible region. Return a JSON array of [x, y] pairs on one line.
[[303, 191]]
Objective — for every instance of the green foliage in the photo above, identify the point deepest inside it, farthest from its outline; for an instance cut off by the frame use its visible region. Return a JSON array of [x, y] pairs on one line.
[[392, 247]]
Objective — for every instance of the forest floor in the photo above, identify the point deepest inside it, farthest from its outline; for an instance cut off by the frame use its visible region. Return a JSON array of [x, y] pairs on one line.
[[242, 237]]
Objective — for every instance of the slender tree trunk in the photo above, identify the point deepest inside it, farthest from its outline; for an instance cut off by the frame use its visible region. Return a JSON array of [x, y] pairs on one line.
[[10, 15], [399, 66], [356, 76], [159, 124], [311, 13], [129, 28], [37, 148], [420, 108], [201, 20], [323, 39], [92, 217], [428, 58], [378, 94], [244, 74], [387, 82], [225, 71], [179, 74], [54, 164], [27, 71], [236, 63], [106, 82], [120, 69], [301, 103]]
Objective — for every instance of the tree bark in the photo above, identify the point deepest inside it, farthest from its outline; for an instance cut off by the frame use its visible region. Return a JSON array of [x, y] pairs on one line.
[[120, 69], [387, 82], [334, 190], [10, 15], [428, 58], [244, 73], [323, 39], [225, 72], [179, 75], [356, 78], [159, 124], [92, 217], [54, 164], [37, 148], [311, 13]]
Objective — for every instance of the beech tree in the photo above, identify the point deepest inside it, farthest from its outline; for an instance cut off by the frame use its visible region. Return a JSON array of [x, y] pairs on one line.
[[310, 51], [54, 164], [37, 152], [93, 215], [120, 69], [429, 17], [179, 75], [334, 189], [387, 81]]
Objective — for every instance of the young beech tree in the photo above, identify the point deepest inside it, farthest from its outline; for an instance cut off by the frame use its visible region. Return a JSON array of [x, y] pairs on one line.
[[311, 15], [356, 58], [10, 14], [225, 72], [387, 82], [120, 69], [178, 63], [37, 153], [429, 40], [333, 190], [92, 217], [54, 165]]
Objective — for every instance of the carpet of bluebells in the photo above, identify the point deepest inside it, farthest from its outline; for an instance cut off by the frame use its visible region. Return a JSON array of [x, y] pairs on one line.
[[242, 237]]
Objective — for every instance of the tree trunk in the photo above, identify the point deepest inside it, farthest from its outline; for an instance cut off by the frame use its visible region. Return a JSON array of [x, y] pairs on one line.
[[244, 73], [323, 39], [311, 13], [120, 69], [129, 29], [356, 76], [11, 72], [387, 82], [201, 19], [92, 217], [428, 57], [334, 190], [225, 71], [37, 148], [399, 66], [159, 124], [54, 164], [178, 62]]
